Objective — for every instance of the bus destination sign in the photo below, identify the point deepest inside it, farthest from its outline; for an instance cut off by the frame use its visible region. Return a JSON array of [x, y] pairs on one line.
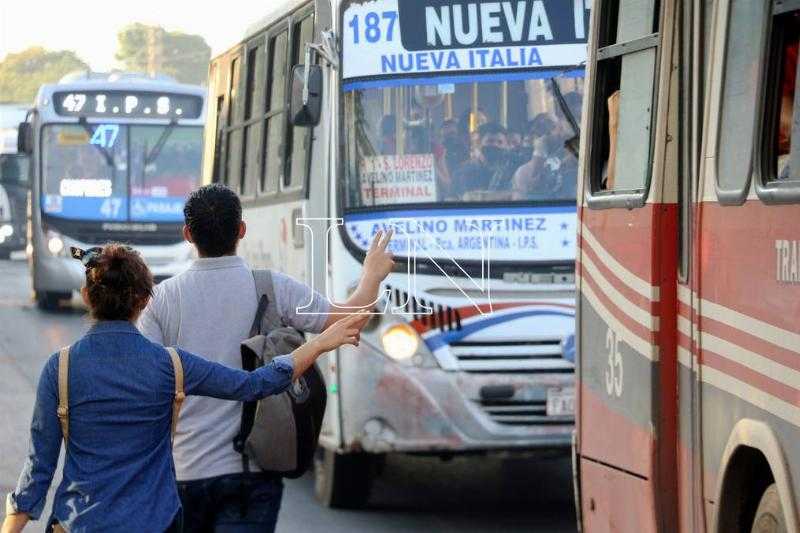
[[391, 37], [128, 104]]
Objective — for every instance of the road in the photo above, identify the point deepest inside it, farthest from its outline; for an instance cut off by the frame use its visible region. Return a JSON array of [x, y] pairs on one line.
[[467, 494]]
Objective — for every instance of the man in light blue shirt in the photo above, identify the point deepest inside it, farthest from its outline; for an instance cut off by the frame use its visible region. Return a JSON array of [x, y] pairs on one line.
[[209, 310]]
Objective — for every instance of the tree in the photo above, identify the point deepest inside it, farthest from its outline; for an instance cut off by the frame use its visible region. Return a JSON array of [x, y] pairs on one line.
[[22, 74], [153, 50]]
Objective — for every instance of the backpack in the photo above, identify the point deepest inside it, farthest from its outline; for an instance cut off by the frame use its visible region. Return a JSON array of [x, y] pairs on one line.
[[280, 432]]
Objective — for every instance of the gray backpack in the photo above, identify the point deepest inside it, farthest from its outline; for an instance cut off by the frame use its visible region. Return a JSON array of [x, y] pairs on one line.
[[279, 433]]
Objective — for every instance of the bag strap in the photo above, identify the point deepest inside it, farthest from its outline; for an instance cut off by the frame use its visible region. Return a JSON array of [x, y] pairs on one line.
[[63, 392], [180, 395], [265, 287]]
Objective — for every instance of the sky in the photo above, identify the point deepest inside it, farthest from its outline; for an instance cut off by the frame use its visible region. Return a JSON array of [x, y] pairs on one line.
[[89, 27]]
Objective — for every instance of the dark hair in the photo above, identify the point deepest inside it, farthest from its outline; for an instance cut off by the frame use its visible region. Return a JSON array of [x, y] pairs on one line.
[[213, 214], [118, 283], [492, 128], [542, 124]]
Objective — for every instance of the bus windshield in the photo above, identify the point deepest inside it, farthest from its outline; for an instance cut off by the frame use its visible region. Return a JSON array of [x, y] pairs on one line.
[[484, 139], [119, 172]]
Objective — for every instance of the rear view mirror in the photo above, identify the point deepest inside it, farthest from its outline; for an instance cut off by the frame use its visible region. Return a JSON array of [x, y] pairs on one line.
[[306, 107], [25, 138]]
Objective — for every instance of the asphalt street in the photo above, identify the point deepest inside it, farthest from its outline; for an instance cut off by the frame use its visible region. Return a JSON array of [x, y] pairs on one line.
[[469, 494]]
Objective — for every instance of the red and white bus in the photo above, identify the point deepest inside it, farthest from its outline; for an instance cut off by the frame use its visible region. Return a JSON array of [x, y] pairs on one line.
[[689, 268]]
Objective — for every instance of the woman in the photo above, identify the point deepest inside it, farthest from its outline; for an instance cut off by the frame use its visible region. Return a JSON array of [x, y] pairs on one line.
[[118, 472]]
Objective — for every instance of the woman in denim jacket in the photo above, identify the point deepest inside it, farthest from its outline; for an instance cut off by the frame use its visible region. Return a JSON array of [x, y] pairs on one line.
[[118, 472]]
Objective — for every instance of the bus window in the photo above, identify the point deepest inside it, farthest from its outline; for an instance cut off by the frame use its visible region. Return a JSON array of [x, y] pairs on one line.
[[739, 97], [254, 109], [233, 172], [784, 149], [299, 137], [626, 63], [274, 122], [473, 141]]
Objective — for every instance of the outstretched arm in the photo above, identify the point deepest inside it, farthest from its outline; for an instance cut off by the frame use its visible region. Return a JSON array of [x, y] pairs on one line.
[[377, 265]]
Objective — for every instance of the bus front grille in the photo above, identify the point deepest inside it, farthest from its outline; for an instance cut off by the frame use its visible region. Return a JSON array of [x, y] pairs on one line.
[[539, 356], [521, 413]]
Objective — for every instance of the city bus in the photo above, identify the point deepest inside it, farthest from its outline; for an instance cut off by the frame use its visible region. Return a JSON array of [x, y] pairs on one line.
[[14, 184], [689, 294], [113, 158], [457, 126]]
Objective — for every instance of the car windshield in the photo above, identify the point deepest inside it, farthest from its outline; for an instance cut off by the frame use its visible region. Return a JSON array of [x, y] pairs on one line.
[[482, 140], [119, 172]]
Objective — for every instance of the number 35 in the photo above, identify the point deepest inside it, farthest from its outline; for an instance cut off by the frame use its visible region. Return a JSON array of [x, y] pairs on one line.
[[614, 372]]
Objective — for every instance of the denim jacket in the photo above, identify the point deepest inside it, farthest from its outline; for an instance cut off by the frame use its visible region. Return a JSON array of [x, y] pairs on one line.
[[118, 471]]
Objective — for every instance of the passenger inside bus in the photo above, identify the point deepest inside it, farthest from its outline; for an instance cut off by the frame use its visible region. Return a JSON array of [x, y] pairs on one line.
[[787, 95], [489, 172]]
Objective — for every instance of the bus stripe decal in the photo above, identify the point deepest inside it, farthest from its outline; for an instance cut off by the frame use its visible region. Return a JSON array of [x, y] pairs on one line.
[[642, 346], [623, 274], [589, 255]]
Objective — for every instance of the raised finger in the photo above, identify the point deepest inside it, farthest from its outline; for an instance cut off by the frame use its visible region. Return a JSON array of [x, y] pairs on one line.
[[376, 239], [387, 239]]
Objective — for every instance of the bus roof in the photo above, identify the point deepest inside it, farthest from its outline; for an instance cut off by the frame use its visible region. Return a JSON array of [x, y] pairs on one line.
[[123, 81], [273, 12]]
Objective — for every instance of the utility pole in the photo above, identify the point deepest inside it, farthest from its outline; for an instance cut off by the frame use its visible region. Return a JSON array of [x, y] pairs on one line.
[[154, 52]]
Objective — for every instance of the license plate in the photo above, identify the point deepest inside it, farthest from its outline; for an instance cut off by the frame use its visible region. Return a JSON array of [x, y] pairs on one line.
[[561, 402]]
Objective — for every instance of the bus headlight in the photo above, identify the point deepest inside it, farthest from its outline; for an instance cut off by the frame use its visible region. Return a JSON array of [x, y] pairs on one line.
[[54, 242], [400, 341], [6, 231]]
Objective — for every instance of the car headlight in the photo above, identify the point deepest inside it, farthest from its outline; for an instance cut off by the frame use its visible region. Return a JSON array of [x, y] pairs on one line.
[[400, 341], [54, 242], [6, 230]]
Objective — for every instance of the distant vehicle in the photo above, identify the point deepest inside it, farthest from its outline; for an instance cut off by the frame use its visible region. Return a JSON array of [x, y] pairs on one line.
[[425, 136], [113, 158], [14, 186]]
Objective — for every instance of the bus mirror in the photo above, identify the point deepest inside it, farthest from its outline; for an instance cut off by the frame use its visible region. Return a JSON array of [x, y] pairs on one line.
[[25, 138], [306, 105]]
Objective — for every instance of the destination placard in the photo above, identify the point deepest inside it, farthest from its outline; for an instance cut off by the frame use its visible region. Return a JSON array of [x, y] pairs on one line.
[[460, 37]]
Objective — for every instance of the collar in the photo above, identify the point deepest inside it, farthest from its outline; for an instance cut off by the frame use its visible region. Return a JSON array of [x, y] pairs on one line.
[[214, 263], [112, 326]]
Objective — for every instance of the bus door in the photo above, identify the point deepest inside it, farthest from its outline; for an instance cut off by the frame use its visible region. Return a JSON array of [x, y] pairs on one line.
[[627, 265]]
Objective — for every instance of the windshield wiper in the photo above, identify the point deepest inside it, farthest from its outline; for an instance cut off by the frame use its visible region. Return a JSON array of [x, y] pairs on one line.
[[156, 151], [106, 155], [571, 144]]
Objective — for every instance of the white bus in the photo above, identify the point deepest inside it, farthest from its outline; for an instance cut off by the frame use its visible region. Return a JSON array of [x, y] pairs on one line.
[[113, 159], [457, 125]]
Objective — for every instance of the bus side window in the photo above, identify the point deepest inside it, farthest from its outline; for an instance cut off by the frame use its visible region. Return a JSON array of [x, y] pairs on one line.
[[233, 171], [782, 138], [275, 117], [624, 92], [737, 119], [254, 110], [299, 138]]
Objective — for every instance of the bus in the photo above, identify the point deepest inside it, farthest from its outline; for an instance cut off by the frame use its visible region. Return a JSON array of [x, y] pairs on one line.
[[113, 158], [334, 120], [14, 184], [689, 293]]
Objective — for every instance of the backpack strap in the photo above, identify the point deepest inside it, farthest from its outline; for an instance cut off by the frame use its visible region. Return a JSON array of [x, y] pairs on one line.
[[63, 392], [265, 287], [180, 395]]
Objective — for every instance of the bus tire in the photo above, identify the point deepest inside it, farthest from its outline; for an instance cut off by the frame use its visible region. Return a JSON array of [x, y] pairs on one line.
[[769, 515], [5, 254], [342, 481], [51, 301]]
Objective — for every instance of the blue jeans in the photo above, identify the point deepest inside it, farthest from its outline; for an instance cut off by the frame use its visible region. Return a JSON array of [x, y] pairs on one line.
[[236, 503]]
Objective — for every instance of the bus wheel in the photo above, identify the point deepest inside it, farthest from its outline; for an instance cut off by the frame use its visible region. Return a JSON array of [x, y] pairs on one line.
[[5, 254], [342, 480], [769, 516], [51, 301]]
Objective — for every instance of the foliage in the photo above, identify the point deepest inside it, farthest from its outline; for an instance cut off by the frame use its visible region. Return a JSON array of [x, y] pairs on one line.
[[22, 74], [183, 56]]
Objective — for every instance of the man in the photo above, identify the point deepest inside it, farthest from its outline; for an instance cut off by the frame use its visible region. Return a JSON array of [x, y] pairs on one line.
[[208, 310], [552, 171], [491, 169]]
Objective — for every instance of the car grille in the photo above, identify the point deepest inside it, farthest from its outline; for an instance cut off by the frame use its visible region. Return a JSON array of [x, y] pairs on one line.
[[537, 356]]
